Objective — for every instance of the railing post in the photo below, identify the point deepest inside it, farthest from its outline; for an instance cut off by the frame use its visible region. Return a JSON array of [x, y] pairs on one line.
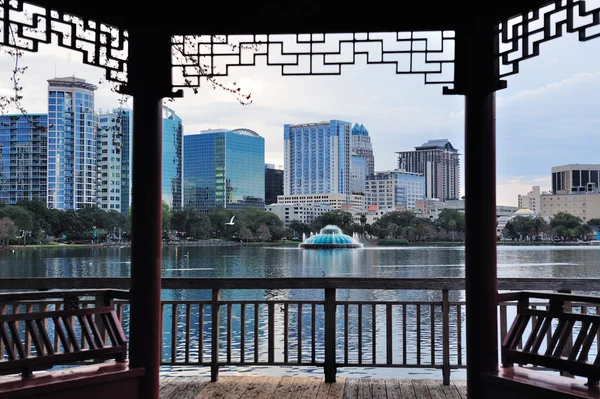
[[330, 310], [271, 331], [567, 307], [102, 300], [446, 337], [214, 359]]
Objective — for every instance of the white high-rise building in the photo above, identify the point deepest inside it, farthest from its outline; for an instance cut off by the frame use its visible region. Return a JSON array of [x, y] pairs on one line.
[[72, 144], [114, 129], [438, 161], [317, 158]]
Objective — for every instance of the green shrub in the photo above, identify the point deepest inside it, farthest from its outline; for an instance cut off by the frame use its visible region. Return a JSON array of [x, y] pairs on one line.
[[392, 242]]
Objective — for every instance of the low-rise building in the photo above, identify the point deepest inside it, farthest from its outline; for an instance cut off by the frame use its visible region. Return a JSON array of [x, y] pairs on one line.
[[432, 208], [373, 213], [532, 200], [300, 212], [334, 201], [585, 205]]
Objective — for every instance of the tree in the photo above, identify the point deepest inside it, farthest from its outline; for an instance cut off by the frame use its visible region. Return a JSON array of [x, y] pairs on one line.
[[447, 216], [299, 228], [7, 230], [166, 217], [245, 234], [452, 227], [263, 233], [594, 223], [565, 225], [20, 216], [338, 217], [391, 230]]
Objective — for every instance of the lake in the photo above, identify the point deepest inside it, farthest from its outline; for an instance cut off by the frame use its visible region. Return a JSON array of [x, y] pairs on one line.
[[250, 261]]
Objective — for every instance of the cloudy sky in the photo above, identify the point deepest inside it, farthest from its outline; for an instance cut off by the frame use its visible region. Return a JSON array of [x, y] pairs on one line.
[[548, 116]]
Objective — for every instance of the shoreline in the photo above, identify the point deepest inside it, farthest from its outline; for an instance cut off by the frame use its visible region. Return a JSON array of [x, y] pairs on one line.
[[296, 243]]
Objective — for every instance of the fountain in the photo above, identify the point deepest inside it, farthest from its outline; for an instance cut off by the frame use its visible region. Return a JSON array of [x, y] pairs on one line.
[[330, 237]]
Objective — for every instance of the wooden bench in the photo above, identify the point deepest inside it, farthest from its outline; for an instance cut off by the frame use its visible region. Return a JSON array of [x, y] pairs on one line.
[[542, 336], [77, 336]]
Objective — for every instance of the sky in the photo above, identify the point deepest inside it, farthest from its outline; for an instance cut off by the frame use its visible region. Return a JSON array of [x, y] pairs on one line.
[[548, 116]]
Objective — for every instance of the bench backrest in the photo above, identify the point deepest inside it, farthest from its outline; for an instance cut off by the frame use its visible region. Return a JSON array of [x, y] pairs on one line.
[[37, 341], [543, 336]]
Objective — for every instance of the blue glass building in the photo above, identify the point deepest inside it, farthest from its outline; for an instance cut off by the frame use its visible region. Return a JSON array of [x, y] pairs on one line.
[[72, 144], [224, 169], [317, 158], [359, 174], [23, 157], [172, 159]]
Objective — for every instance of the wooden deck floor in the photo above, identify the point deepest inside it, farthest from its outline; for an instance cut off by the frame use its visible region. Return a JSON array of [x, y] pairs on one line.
[[307, 388]]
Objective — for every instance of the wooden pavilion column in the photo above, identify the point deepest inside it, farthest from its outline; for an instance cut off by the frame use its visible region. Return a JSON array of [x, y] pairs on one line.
[[149, 80], [480, 72]]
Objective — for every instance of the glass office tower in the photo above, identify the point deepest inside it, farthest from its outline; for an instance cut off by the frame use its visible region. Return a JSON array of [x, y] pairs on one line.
[[172, 162], [23, 157], [72, 145], [224, 169]]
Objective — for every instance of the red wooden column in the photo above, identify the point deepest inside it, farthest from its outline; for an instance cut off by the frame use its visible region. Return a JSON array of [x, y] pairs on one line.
[[149, 80], [480, 82]]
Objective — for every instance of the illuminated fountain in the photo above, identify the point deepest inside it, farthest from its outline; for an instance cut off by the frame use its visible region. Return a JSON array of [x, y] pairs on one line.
[[330, 237]]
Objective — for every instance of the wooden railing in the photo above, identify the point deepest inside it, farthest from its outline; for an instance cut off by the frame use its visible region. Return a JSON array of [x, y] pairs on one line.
[[321, 330]]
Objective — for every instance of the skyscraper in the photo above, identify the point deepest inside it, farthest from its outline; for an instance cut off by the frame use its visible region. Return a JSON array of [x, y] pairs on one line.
[[224, 169], [273, 183], [172, 159], [395, 189], [114, 128], [438, 161], [361, 146], [317, 158], [23, 157], [72, 151]]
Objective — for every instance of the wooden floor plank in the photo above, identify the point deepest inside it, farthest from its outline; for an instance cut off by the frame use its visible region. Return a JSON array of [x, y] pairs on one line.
[[450, 391], [255, 388], [336, 389], [283, 387], [365, 391], [435, 389], [351, 388], [246, 387], [312, 388], [461, 387], [324, 390], [378, 389], [217, 389], [297, 391], [421, 389], [392, 388], [238, 390], [407, 390]]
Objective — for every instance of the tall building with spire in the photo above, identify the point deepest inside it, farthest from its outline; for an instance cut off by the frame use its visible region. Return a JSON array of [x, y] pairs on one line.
[[172, 159], [72, 144], [438, 161], [361, 146]]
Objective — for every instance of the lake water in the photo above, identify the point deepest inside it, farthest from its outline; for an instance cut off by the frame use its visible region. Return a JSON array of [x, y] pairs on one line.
[[247, 261]]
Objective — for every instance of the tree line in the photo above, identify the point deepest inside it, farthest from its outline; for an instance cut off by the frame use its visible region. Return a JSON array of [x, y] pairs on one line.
[[562, 227], [31, 221]]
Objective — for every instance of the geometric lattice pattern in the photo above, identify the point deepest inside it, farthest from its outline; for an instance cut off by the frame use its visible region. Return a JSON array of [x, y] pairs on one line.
[[24, 26], [427, 53], [521, 36]]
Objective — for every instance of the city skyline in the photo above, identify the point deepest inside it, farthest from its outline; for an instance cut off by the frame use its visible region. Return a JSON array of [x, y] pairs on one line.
[[546, 116]]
